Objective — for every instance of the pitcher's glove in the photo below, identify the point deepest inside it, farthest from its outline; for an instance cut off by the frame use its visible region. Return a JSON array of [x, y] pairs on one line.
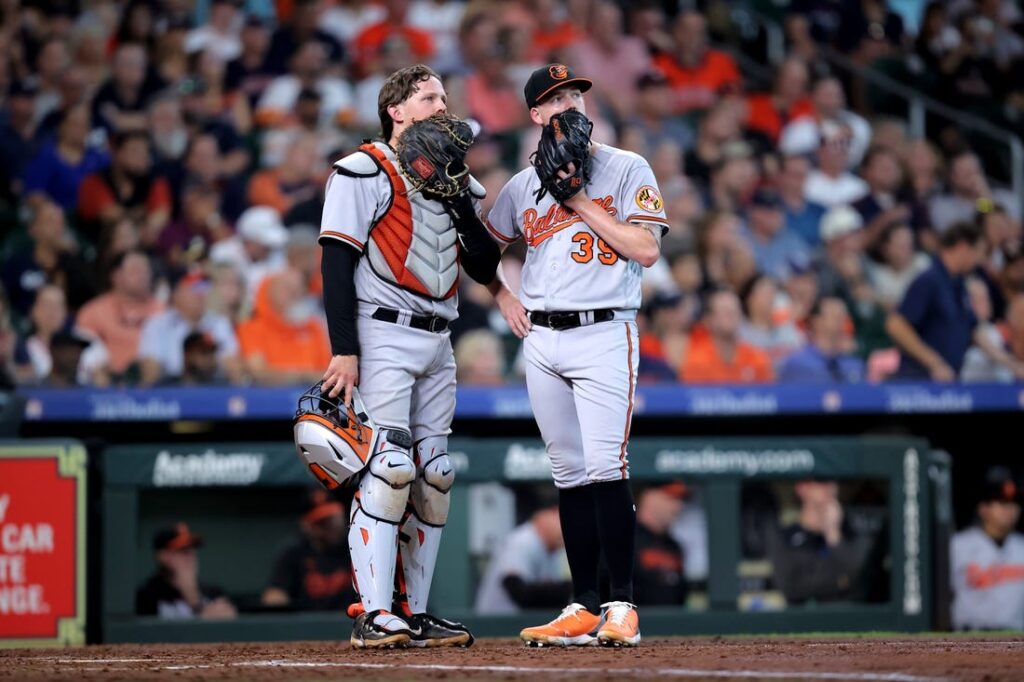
[[432, 155], [564, 140]]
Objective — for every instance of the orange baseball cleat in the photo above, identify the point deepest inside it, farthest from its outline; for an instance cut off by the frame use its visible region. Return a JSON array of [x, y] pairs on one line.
[[575, 626], [620, 625]]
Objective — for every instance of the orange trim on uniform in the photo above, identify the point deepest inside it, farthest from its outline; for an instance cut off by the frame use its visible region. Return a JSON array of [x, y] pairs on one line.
[[393, 233], [362, 449], [629, 410], [643, 217], [400, 587], [497, 235], [339, 235]]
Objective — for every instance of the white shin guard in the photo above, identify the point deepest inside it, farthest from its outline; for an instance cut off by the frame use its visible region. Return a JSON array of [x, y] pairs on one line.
[[420, 543], [421, 532], [376, 514]]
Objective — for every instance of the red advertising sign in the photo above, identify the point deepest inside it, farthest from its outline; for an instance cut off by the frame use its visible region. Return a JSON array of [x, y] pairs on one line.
[[42, 544]]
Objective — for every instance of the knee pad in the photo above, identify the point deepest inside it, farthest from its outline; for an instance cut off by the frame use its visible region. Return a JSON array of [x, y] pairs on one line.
[[431, 492], [384, 487]]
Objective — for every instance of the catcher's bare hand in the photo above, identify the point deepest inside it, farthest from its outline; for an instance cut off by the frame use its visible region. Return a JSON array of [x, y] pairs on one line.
[[341, 375], [513, 312]]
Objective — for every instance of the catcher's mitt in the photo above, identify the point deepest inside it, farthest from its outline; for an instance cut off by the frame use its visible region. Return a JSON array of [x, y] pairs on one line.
[[432, 155], [565, 139]]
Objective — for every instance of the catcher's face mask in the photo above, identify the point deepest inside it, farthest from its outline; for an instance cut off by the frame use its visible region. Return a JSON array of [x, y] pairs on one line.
[[334, 441]]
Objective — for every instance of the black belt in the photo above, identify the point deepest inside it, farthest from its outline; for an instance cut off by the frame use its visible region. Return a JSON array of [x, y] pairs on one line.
[[569, 319], [430, 323]]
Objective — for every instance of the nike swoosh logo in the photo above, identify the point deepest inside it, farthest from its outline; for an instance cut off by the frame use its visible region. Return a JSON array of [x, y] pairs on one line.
[[392, 466], [445, 473], [417, 631]]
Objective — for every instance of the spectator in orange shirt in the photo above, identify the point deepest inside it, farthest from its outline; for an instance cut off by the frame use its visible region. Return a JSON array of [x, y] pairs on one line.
[[283, 343], [718, 356], [553, 32], [127, 189], [367, 45], [297, 179], [697, 73], [492, 93], [663, 326], [116, 317], [768, 112]]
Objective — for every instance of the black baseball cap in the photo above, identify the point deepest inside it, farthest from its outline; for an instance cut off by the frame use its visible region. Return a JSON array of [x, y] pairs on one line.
[[999, 486], [69, 337], [23, 88], [651, 79], [661, 300], [200, 341], [766, 198], [547, 79], [179, 537]]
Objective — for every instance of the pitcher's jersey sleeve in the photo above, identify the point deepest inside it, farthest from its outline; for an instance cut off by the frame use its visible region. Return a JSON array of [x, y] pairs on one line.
[[501, 221], [642, 201], [351, 206]]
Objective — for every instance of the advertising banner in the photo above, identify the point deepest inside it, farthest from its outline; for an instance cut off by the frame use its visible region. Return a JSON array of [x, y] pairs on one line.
[[42, 544]]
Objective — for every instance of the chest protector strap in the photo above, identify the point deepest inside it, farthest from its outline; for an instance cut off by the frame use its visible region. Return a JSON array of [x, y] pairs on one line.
[[393, 233]]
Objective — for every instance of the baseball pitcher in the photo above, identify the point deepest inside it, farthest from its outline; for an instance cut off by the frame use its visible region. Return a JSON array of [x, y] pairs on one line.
[[592, 217]]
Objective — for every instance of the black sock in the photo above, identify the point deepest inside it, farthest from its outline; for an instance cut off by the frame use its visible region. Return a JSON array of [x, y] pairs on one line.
[[582, 545], [616, 525]]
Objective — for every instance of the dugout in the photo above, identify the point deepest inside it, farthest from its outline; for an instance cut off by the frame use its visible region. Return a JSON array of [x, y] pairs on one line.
[[239, 496]]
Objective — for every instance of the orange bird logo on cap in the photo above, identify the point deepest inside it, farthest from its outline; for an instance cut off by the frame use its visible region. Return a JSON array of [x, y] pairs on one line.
[[559, 72], [1009, 490]]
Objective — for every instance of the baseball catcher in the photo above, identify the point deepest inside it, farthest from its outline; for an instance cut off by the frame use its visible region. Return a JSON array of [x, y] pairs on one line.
[[400, 219], [564, 146]]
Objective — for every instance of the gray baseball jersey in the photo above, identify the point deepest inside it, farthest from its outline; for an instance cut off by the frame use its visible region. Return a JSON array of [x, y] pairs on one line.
[[988, 581], [581, 381], [568, 267], [358, 199], [409, 264], [523, 554]]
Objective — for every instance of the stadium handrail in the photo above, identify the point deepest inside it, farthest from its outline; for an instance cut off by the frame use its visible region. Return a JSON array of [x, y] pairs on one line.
[[918, 103]]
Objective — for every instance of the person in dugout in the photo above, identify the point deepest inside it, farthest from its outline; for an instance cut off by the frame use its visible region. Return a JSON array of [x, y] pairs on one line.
[[314, 573]]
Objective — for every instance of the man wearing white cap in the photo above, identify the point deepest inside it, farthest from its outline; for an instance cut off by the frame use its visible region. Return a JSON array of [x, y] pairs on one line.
[[842, 250], [843, 272], [257, 248]]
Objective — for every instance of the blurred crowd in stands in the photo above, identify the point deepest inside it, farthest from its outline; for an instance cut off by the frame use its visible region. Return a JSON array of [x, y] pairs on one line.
[[162, 166]]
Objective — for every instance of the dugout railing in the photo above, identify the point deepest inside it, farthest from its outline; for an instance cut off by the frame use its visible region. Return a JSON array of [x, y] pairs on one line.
[[235, 495]]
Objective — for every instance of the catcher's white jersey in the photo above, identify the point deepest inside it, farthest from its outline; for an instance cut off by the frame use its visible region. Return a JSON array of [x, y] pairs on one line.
[[356, 203], [568, 267]]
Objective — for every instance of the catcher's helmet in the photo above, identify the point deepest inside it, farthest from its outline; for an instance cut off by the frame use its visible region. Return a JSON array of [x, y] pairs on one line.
[[334, 441]]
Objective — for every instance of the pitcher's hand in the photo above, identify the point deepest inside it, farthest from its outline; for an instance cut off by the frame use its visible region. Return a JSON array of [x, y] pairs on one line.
[[513, 312]]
